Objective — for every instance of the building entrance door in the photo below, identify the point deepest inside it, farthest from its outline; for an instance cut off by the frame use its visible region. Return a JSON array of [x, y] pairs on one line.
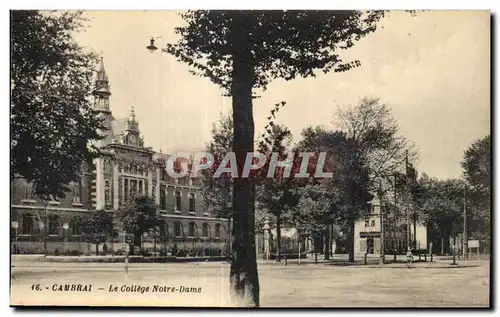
[[369, 246]]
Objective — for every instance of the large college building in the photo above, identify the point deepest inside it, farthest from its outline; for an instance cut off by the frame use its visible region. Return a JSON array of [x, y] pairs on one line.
[[125, 168]]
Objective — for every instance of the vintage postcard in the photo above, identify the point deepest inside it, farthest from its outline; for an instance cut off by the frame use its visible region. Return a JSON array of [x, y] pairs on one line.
[[250, 158]]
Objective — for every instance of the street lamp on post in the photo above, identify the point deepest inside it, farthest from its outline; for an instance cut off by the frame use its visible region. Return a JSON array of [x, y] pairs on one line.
[[14, 226], [152, 47], [41, 226], [229, 206], [65, 229], [382, 233]]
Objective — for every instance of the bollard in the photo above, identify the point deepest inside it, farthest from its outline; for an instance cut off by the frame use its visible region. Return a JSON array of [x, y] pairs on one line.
[[431, 256], [366, 255]]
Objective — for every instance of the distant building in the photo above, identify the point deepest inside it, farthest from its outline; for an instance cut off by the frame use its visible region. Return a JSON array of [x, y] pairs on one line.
[[126, 168], [367, 233]]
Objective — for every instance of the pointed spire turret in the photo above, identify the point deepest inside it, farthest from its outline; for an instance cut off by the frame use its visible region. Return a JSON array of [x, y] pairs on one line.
[[132, 114], [101, 92], [101, 74], [132, 124]]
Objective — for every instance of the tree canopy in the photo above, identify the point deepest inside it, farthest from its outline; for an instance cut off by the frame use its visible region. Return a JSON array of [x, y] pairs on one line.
[[281, 44], [477, 171], [138, 216], [441, 202], [51, 116]]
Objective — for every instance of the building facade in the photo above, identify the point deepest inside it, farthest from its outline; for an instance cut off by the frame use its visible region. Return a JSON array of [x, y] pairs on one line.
[[125, 168], [367, 233]]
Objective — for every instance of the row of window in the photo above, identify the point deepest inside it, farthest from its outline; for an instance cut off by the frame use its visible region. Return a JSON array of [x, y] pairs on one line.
[[130, 188], [53, 222], [369, 224], [29, 193], [193, 230], [178, 200], [75, 227]]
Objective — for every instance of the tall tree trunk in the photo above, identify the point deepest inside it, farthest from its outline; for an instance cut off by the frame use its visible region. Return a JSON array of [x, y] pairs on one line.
[[350, 239], [244, 279], [278, 237], [137, 242], [327, 243], [97, 249]]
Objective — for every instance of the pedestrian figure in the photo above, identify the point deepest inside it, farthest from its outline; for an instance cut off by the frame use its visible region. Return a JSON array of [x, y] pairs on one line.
[[409, 258]]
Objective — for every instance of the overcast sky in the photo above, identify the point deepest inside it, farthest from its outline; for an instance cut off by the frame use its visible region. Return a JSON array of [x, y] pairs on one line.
[[432, 70]]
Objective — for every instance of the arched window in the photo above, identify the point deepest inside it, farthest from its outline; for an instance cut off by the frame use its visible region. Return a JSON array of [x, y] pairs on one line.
[[27, 224], [163, 228], [178, 229], [53, 224], [75, 225], [134, 169], [205, 231], [217, 230], [192, 229]]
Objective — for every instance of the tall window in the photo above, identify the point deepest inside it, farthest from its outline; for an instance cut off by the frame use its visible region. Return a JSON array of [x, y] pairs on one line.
[[192, 229], [27, 224], [163, 197], [53, 224], [205, 230], [77, 196], [76, 226], [178, 229], [107, 194], [140, 188], [125, 189], [217, 230], [367, 223], [178, 201], [191, 202], [29, 192], [133, 187], [373, 223]]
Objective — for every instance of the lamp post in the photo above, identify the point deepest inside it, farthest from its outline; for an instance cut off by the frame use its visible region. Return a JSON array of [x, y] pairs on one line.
[[15, 225], [382, 234], [266, 238], [41, 226], [65, 229], [229, 206]]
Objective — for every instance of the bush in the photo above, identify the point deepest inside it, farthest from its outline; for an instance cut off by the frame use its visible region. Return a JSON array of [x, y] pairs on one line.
[[119, 252], [73, 253], [56, 252], [145, 252]]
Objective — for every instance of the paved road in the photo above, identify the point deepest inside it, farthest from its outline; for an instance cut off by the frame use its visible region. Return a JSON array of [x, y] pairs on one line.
[[428, 285]]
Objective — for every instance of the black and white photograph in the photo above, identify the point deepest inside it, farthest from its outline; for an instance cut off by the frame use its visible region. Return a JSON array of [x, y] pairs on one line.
[[250, 158]]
